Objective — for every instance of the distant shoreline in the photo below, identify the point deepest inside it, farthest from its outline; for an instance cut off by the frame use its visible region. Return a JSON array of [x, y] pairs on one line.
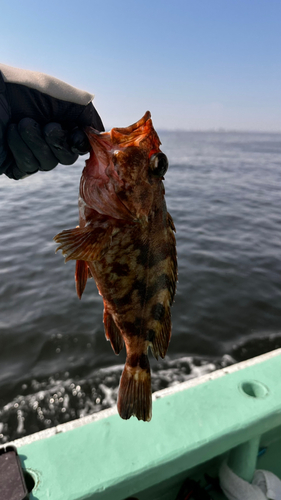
[[212, 131]]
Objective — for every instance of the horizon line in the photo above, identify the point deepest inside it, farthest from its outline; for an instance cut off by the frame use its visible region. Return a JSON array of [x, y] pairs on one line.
[[214, 130]]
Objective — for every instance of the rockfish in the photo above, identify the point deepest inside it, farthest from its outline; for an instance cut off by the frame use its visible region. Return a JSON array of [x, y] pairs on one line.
[[125, 241]]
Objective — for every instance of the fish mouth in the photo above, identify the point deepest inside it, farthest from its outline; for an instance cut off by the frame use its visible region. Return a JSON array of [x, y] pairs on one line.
[[136, 134], [135, 127], [133, 135]]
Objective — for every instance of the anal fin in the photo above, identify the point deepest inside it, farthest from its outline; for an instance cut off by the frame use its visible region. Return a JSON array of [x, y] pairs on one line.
[[112, 332], [160, 342]]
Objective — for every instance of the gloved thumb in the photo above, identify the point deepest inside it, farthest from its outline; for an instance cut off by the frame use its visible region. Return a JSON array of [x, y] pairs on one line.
[[79, 142], [4, 120]]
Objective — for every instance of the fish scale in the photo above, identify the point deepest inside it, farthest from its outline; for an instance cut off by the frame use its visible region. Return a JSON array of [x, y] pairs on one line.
[[125, 241]]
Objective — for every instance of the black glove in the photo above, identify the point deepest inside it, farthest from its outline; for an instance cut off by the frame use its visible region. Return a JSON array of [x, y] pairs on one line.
[[38, 130]]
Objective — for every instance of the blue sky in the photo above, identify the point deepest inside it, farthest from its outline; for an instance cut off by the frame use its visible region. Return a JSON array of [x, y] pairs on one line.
[[195, 64]]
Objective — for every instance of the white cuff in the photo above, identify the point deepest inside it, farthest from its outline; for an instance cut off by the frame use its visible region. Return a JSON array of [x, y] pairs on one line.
[[45, 84]]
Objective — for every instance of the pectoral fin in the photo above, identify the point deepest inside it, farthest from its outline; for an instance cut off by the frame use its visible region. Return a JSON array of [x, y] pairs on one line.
[[81, 276], [84, 243]]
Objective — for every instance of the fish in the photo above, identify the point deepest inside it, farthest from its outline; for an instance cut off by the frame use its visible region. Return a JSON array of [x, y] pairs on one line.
[[126, 241]]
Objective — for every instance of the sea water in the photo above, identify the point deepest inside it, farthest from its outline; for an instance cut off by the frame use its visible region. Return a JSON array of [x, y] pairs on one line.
[[223, 191]]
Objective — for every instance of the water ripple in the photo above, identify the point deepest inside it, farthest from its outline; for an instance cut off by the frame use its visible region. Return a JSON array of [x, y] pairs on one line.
[[223, 191]]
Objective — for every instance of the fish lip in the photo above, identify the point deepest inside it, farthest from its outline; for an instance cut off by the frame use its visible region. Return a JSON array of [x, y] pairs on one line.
[[134, 134], [134, 126], [91, 130], [124, 136], [102, 138]]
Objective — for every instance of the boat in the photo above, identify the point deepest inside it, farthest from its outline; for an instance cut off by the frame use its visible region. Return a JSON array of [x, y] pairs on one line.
[[231, 416]]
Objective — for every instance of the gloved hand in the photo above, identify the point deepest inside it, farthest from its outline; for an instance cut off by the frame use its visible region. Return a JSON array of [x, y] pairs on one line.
[[41, 122]]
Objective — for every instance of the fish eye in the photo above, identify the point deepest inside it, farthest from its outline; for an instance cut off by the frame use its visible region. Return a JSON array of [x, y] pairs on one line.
[[158, 164]]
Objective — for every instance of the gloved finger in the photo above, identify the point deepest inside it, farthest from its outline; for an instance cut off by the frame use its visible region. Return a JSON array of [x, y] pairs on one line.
[[79, 142], [30, 132], [13, 172], [24, 158], [90, 118], [57, 139]]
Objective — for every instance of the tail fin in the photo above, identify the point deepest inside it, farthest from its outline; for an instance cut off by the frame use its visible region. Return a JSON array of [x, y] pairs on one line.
[[134, 397]]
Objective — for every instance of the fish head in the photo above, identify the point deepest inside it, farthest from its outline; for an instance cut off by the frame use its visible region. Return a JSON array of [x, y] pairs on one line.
[[123, 176]]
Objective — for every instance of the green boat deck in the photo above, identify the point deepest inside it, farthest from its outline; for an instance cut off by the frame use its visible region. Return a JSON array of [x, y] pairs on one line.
[[195, 426]]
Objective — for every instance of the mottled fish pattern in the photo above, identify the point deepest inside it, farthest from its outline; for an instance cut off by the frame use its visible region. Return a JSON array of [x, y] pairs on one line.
[[125, 241]]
